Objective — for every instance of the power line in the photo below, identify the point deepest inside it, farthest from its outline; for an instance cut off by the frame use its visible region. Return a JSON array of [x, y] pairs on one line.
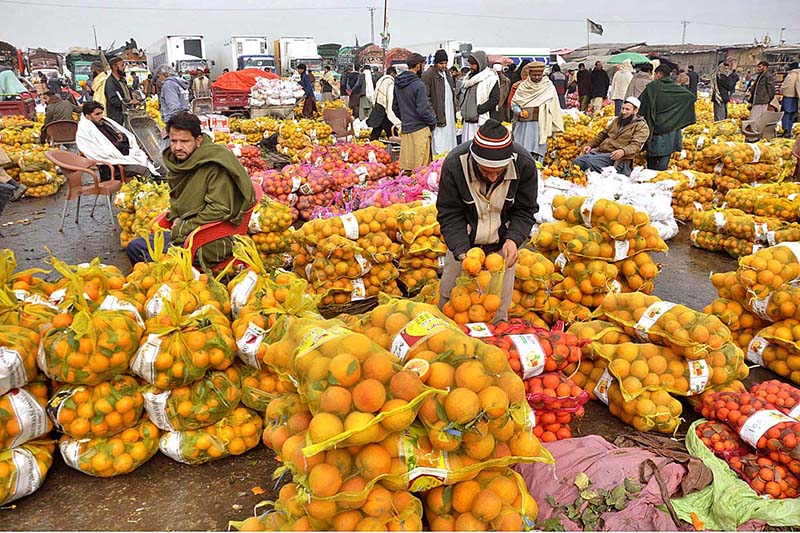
[[192, 9]]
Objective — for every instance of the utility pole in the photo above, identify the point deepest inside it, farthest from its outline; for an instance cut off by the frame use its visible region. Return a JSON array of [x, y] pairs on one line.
[[372, 24], [94, 31], [683, 37], [780, 39]]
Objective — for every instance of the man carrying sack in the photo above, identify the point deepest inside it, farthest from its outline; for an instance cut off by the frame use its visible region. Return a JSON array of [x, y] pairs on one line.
[[487, 198]]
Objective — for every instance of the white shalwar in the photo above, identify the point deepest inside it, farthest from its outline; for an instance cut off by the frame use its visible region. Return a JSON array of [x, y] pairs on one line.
[[468, 131], [527, 134], [444, 139]]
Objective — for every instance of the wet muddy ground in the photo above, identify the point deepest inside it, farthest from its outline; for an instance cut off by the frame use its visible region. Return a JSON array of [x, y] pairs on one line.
[[165, 495]]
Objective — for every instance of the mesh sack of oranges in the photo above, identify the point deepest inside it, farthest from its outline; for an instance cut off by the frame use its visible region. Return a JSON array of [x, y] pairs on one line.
[[689, 333], [23, 282], [493, 501], [534, 272], [615, 221], [334, 258], [782, 395], [768, 478], [721, 440], [736, 223], [259, 387], [737, 154], [476, 296], [758, 422], [546, 240], [192, 292], [414, 280], [758, 202], [177, 349], [564, 310], [18, 350], [640, 367], [352, 226], [23, 469], [90, 344], [773, 356], [377, 509], [270, 216], [36, 178], [112, 456], [31, 161], [234, 434], [194, 406], [555, 392], [355, 390], [599, 331], [586, 283], [766, 270], [579, 241], [270, 243], [638, 273], [93, 279], [23, 415], [418, 221], [733, 314], [378, 247], [729, 287], [100, 411], [778, 305], [656, 411]]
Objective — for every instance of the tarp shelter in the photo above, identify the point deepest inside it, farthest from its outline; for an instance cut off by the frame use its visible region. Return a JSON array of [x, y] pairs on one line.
[[242, 80], [9, 84]]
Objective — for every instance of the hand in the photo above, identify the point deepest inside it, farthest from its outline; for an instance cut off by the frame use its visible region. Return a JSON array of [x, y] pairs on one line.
[[134, 102], [510, 253], [461, 257], [616, 155], [587, 149]]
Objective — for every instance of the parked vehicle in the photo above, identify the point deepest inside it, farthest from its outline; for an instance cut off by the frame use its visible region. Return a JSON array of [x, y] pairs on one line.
[[238, 53], [184, 53], [290, 51]]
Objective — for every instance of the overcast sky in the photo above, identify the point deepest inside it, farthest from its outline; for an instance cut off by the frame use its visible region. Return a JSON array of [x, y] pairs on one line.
[[542, 23]]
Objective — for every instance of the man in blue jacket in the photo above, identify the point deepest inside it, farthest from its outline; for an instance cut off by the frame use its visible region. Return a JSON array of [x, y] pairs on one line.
[[417, 120], [174, 95]]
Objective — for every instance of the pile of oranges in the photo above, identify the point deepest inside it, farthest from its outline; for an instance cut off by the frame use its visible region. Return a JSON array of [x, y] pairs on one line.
[[138, 203], [771, 200], [476, 296], [694, 192], [269, 227]]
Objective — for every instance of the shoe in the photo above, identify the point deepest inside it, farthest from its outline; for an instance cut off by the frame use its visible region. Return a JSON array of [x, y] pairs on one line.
[[19, 192]]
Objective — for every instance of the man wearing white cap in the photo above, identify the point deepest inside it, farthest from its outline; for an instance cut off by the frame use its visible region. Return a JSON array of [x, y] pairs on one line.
[[618, 143]]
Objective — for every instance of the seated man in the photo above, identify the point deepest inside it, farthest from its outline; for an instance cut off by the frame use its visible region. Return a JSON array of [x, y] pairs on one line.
[[102, 139], [207, 183], [618, 143], [58, 110]]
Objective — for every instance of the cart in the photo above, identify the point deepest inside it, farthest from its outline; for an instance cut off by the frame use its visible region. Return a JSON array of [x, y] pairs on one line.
[[230, 102], [202, 106], [147, 133], [277, 111], [25, 108]]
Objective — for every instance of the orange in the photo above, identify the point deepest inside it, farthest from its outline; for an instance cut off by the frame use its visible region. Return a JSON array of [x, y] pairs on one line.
[[462, 405], [486, 505], [344, 370], [494, 263], [493, 401], [369, 395], [463, 495], [324, 426], [324, 480]]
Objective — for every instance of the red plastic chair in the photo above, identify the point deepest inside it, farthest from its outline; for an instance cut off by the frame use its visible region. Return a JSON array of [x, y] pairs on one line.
[[213, 231], [60, 132], [340, 121], [74, 167]]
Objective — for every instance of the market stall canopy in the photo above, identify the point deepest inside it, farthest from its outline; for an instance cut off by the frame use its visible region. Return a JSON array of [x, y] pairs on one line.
[[635, 58], [242, 80], [9, 84]]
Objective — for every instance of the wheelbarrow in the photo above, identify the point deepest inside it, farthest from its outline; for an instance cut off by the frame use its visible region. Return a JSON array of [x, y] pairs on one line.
[[147, 133], [202, 106]]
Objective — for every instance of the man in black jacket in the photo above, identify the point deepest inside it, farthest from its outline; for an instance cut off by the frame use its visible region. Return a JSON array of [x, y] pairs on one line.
[[417, 120], [441, 94], [600, 82], [694, 79], [487, 199], [117, 92]]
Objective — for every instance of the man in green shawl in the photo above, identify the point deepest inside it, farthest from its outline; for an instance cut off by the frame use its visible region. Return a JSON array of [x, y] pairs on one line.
[[207, 183], [667, 107]]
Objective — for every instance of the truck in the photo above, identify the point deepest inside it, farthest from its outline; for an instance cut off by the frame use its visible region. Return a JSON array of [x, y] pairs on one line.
[[184, 53], [135, 63], [290, 51], [45, 62], [11, 57], [242, 52], [79, 62], [518, 54]]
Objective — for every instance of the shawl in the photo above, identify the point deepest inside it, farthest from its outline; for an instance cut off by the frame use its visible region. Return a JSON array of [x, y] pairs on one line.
[[666, 106], [544, 96], [94, 145]]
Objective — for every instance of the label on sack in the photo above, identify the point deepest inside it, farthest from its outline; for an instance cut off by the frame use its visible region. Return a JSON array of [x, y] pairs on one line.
[[795, 413], [479, 330], [561, 261], [155, 304], [693, 236], [691, 178], [155, 403], [719, 220], [55, 404], [28, 478], [718, 168], [531, 354], [41, 357], [440, 261], [242, 291], [170, 445], [698, 206], [760, 231], [21, 294], [296, 183], [359, 290], [350, 223], [621, 250], [700, 142], [586, 211], [57, 296], [759, 423], [71, 451], [30, 414], [316, 336], [363, 263], [792, 197], [306, 189], [759, 307], [603, 384], [249, 343], [756, 152], [755, 350], [112, 303], [143, 365], [12, 370], [699, 373], [254, 226], [371, 157], [771, 238], [650, 317], [421, 327], [423, 477], [362, 174]]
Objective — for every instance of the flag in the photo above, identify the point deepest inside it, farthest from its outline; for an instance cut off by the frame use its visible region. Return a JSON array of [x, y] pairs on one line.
[[593, 27]]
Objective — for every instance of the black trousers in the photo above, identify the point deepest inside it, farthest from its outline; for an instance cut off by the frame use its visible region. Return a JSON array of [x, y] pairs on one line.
[[386, 126]]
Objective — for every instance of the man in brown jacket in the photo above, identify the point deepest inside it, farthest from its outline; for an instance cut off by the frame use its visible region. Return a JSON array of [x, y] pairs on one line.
[[618, 143], [440, 86]]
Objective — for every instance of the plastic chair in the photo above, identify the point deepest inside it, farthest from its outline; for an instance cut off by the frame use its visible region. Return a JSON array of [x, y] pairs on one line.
[[74, 167], [60, 132], [340, 121], [763, 127], [212, 231]]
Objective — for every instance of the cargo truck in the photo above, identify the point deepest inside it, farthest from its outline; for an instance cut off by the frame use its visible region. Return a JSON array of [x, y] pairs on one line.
[[241, 52], [290, 51], [11, 57], [45, 62], [184, 53], [79, 62]]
